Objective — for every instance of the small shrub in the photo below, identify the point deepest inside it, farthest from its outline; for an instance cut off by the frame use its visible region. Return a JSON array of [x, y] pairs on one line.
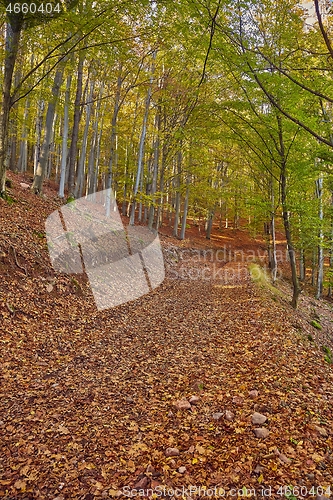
[[310, 338], [70, 199], [39, 234], [316, 324], [9, 199], [328, 354]]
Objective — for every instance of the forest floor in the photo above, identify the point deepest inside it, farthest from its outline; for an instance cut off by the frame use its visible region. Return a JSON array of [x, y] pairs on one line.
[[159, 396]]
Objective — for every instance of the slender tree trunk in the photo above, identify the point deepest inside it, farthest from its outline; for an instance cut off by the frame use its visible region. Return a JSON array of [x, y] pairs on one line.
[[183, 229], [51, 148], [75, 129], [13, 132], [330, 286], [13, 33], [142, 143], [113, 139], [156, 148], [140, 198], [287, 229], [82, 160], [39, 128], [313, 267], [159, 216], [210, 223], [302, 265], [274, 260], [177, 193], [320, 276], [23, 157], [64, 140], [285, 215], [43, 161]]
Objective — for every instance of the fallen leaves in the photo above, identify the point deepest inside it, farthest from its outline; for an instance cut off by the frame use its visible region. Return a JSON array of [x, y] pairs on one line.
[[172, 452], [96, 400]]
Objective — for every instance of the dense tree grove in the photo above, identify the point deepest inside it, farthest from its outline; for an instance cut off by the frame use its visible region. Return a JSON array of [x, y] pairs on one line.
[[186, 109]]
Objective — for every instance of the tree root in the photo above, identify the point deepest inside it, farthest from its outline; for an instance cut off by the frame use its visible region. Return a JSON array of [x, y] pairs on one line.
[[16, 261]]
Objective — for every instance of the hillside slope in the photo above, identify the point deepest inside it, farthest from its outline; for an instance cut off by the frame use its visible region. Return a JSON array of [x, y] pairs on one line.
[[92, 402]]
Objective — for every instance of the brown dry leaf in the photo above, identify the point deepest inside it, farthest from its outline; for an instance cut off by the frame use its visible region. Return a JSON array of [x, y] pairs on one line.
[[20, 485]]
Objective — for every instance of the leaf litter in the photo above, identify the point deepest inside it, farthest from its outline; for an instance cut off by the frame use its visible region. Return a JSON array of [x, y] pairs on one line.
[[93, 402]]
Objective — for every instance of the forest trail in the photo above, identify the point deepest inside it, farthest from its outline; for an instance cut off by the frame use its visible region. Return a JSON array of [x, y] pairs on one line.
[[89, 399]]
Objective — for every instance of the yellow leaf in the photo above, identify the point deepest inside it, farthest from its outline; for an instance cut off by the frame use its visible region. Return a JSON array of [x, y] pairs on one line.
[[138, 447], [317, 458], [200, 449], [260, 479], [131, 466], [195, 461]]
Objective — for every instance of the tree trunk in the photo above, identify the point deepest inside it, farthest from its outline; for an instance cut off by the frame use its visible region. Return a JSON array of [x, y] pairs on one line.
[[210, 224], [177, 194], [330, 286], [64, 148], [113, 139], [23, 157], [274, 260], [39, 128], [291, 251], [183, 229], [13, 33], [156, 148], [159, 216], [75, 129], [43, 161], [142, 143], [320, 276], [82, 160]]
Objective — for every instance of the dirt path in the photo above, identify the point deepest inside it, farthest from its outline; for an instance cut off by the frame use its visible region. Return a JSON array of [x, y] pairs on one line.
[[87, 411], [88, 404]]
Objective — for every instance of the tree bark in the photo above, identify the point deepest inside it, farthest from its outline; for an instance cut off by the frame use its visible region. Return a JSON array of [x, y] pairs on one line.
[[156, 148], [82, 160], [23, 157], [291, 251], [75, 129], [13, 33], [113, 139], [64, 148], [177, 194], [142, 143], [43, 161], [183, 228], [320, 276]]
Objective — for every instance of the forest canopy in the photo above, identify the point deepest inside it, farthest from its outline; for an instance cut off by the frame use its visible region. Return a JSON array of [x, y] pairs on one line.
[[184, 109]]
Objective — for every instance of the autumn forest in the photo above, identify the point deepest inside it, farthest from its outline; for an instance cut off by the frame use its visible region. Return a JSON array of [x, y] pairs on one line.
[[211, 122]]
